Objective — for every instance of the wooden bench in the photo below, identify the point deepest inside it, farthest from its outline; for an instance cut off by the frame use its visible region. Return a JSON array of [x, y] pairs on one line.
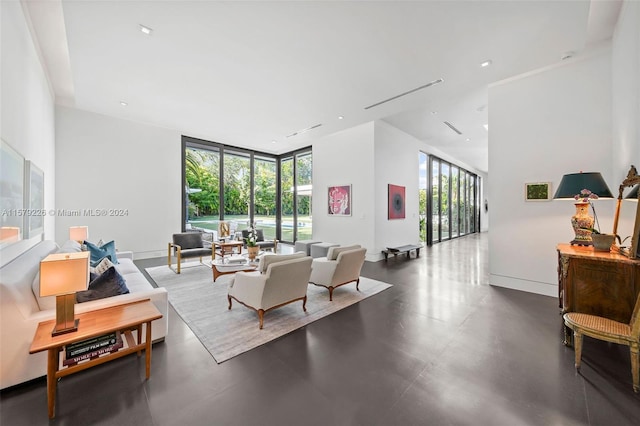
[[395, 251]]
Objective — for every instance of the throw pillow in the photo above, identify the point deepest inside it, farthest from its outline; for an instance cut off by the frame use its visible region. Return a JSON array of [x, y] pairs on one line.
[[110, 283], [106, 250], [102, 266], [70, 247]]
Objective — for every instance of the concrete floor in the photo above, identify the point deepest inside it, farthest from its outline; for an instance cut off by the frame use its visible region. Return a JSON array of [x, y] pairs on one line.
[[441, 347]]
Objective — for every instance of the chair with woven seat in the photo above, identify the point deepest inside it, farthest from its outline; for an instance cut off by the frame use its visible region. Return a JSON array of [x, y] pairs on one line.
[[610, 331]]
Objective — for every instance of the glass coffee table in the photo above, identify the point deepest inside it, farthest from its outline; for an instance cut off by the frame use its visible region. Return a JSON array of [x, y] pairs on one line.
[[232, 264]]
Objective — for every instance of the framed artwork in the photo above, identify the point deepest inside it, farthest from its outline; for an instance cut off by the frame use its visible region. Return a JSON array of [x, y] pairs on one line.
[[396, 201], [33, 200], [537, 191], [11, 195], [339, 200]]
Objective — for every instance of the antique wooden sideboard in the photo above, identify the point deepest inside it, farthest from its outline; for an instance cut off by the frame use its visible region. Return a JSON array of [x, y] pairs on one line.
[[598, 283]]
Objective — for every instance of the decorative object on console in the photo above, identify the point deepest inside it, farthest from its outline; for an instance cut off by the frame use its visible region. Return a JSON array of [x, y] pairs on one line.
[[396, 201], [61, 275], [632, 179], [582, 188], [339, 200], [79, 233]]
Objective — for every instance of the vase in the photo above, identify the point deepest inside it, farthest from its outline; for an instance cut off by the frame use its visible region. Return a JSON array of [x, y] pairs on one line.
[[253, 252], [602, 242], [582, 225]]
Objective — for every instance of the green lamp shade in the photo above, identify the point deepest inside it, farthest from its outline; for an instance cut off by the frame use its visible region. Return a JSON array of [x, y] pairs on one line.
[[573, 183]]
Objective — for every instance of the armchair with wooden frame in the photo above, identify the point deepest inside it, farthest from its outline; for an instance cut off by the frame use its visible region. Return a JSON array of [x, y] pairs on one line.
[[188, 245]]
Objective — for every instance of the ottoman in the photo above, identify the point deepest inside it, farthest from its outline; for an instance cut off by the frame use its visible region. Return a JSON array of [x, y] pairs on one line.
[[305, 246], [321, 249]]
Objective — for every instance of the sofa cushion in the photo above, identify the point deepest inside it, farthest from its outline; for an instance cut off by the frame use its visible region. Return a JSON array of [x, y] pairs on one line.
[[106, 250], [333, 252], [110, 283], [70, 247], [268, 259]]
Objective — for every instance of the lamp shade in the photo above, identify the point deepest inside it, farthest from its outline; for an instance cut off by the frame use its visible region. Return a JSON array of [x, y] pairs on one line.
[[78, 233], [9, 234], [633, 195], [63, 273], [573, 183]]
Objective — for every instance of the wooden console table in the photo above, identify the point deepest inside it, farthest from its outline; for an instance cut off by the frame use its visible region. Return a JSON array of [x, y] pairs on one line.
[[597, 283], [124, 318]]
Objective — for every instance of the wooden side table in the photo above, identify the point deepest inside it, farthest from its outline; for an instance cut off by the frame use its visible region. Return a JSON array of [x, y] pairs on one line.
[[124, 318], [226, 248]]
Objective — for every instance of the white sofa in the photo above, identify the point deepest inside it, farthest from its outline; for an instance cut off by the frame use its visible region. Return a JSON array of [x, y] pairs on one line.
[[20, 312]]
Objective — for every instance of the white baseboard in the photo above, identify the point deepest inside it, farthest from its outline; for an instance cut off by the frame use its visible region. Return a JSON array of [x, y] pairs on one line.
[[545, 289]]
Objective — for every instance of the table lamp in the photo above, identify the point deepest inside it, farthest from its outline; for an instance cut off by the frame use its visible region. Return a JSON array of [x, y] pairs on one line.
[[9, 234], [580, 187], [79, 233], [61, 275]]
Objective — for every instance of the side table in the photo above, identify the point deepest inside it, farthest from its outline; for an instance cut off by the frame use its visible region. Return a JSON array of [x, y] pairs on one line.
[[124, 318]]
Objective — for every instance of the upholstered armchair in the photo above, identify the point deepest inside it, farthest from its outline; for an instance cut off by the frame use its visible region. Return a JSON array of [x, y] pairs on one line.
[[188, 245], [264, 245], [283, 282], [341, 266]]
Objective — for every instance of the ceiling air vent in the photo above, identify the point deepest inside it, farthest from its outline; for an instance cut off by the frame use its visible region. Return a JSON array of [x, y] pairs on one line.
[[299, 132], [452, 127], [431, 83]]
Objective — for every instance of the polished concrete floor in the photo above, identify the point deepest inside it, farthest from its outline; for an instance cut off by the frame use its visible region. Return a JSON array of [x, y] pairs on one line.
[[441, 347]]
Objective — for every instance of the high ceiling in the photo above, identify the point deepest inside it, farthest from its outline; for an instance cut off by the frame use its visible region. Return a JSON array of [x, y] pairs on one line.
[[251, 73]]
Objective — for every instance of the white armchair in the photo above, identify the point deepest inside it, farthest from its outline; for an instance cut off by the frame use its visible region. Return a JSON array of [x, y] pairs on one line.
[[282, 283], [341, 266]]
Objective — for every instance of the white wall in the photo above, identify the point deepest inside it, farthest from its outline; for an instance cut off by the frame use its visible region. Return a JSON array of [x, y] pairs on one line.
[[396, 162], [626, 90], [544, 125], [345, 158], [109, 163], [27, 110]]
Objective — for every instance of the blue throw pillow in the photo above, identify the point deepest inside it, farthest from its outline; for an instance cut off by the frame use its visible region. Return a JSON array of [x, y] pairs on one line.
[[110, 283], [100, 252]]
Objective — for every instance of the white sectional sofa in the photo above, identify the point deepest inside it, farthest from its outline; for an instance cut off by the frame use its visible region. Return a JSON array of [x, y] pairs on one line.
[[20, 311]]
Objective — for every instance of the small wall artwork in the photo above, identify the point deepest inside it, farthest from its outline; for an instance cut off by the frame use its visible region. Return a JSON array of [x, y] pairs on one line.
[[396, 201], [537, 191], [339, 200]]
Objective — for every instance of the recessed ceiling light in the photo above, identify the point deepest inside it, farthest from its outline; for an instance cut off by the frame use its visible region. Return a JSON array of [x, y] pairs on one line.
[[486, 63], [145, 30], [467, 139], [434, 112], [123, 103], [340, 117], [273, 141], [486, 127]]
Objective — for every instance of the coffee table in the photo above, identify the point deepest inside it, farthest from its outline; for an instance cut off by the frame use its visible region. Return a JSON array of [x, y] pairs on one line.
[[220, 267], [227, 247]]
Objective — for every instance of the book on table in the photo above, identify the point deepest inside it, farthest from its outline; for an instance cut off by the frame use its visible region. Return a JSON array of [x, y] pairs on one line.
[[113, 345], [91, 344]]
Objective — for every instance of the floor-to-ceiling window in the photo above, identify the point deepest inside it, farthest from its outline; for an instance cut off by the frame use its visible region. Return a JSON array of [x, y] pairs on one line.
[[451, 202], [422, 195], [242, 187]]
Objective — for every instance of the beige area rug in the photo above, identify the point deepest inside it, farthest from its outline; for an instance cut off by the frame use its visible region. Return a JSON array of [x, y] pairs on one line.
[[202, 304]]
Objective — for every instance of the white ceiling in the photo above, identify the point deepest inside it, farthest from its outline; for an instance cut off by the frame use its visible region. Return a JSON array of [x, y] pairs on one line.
[[248, 73]]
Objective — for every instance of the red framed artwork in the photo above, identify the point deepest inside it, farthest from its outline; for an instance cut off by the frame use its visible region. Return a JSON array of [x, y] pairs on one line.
[[396, 201]]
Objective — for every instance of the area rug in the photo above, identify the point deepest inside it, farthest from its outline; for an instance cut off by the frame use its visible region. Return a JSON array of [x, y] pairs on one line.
[[225, 333]]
